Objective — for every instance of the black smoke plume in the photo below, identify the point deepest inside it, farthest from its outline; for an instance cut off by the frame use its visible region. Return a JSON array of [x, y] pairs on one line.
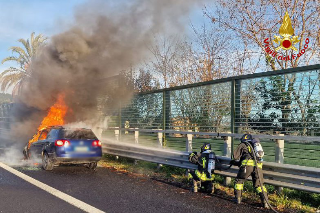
[[106, 38]]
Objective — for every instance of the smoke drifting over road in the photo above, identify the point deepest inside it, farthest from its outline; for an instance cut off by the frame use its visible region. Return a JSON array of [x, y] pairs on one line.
[[106, 38]]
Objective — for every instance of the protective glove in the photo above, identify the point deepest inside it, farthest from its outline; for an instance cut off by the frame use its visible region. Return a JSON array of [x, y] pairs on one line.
[[193, 158]]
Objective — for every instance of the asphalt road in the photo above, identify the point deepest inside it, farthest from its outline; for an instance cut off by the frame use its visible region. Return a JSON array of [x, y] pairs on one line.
[[107, 190], [17, 195]]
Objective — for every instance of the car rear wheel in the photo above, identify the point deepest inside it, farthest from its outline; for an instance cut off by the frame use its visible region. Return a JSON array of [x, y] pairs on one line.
[[92, 166], [46, 162]]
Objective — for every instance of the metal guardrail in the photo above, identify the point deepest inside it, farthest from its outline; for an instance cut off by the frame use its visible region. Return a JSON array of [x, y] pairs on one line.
[[277, 174], [283, 175]]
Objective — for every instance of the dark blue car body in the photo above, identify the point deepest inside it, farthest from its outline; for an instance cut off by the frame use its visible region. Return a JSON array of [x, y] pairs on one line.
[[59, 145]]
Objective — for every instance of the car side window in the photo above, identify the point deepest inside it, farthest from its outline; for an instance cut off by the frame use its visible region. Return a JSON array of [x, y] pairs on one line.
[[52, 134], [43, 135]]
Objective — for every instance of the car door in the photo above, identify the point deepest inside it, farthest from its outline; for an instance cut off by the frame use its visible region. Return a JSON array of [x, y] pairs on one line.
[[38, 145], [49, 142], [34, 146]]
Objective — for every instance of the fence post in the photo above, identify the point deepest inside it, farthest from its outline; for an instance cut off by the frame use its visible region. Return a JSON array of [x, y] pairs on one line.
[[235, 107], [136, 135], [279, 155], [227, 152]]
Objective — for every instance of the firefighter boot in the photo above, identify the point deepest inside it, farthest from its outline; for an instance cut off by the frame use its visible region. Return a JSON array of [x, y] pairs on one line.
[[264, 197], [209, 188], [195, 185], [237, 194]]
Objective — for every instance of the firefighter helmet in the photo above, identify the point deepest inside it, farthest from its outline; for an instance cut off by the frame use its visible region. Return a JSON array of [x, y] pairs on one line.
[[246, 138], [205, 147]]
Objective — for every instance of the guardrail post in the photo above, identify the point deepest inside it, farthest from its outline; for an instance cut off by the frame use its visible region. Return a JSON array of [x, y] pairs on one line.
[[279, 156], [227, 152], [189, 142], [116, 133], [136, 140], [189, 146], [227, 146], [160, 141], [160, 138], [136, 135]]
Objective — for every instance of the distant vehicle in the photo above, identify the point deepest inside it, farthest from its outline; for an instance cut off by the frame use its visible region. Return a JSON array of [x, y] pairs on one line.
[[57, 145]]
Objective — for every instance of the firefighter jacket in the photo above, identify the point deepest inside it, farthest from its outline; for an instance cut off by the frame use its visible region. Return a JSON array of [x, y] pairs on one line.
[[202, 160], [244, 154]]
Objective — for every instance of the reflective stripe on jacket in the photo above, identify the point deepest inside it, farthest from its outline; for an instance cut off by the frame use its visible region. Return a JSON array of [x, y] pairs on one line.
[[251, 163], [203, 177]]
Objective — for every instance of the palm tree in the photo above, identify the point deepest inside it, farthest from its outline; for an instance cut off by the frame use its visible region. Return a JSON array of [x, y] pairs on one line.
[[17, 75]]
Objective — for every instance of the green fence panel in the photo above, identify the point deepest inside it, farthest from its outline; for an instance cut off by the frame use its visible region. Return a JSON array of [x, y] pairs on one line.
[[276, 102]]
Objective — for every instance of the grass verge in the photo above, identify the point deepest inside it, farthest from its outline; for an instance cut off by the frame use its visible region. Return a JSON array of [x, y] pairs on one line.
[[288, 201]]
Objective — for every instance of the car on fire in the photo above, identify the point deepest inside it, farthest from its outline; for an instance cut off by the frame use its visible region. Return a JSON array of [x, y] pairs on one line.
[[58, 145]]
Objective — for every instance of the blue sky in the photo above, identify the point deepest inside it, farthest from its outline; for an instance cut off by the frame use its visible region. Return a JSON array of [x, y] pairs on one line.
[[18, 19]]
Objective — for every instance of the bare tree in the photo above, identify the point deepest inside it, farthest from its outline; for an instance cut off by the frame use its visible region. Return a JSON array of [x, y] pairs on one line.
[[253, 22], [250, 22], [164, 57], [145, 81], [212, 53], [175, 61]]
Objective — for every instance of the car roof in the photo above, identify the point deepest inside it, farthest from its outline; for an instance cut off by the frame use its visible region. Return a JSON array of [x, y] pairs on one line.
[[76, 128], [62, 127], [52, 127]]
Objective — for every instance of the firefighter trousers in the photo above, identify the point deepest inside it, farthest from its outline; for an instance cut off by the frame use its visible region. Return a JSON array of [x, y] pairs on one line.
[[202, 178], [243, 174]]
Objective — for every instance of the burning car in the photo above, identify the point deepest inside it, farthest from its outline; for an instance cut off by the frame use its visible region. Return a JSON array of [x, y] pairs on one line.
[[58, 145]]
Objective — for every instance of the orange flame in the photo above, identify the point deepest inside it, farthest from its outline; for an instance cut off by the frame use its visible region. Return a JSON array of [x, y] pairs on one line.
[[54, 117]]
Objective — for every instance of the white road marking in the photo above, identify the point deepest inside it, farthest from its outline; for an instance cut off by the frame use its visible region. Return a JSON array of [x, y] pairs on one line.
[[63, 196]]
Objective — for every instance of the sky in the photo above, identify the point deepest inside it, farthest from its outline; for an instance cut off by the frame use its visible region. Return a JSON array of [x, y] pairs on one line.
[[18, 19]]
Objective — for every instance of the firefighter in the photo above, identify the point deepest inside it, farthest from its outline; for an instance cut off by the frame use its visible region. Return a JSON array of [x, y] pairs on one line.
[[206, 164], [248, 157]]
